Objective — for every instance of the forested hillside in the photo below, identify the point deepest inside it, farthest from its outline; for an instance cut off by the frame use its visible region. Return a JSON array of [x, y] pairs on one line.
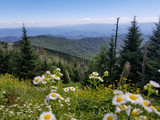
[[87, 46]]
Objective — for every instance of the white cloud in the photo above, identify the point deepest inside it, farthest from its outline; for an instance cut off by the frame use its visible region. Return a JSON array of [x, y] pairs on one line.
[[86, 19], [78, 21]]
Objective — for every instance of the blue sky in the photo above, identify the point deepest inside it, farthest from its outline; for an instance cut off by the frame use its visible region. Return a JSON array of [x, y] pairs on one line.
[[59, 12]]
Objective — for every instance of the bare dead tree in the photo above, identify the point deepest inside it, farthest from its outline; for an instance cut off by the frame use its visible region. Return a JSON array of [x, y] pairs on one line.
[[144, 59], [125, 73], [116, 36]]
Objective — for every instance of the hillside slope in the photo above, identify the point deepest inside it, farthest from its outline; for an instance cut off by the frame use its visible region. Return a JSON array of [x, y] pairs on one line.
[[89, 46]]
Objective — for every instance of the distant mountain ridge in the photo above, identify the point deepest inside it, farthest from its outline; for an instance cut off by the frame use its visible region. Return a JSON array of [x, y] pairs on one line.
[[76, 31]]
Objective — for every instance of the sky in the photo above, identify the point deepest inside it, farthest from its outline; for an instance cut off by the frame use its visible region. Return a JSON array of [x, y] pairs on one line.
[[64, 12]]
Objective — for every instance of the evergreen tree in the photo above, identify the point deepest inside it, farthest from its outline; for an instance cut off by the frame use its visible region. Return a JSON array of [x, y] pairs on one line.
[[111, 60], [153, 55], [27, 60], [131, 51], [4, 61], [100, 61]]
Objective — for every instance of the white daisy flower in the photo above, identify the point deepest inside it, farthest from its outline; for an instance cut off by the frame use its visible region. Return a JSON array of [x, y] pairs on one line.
[[118, 92], [60, 74], [154, 84], [128, 110], [53, 96], [60, 97], [43, 79], [159, 70], [54, 87], [123, 107], [95, 73], [67, 100], [36, 80], [147, 105], [61, 105], [100, 79], [91, 76], [136, 112], [110, 116], [56, 77], [155, 110], [134, 98], [48, 72], [143, 118], [118, 110], [46, 100], [53, 91], [72, 88], [58, 69], [73, 119], [119, 100], [47, 116], [66, 89]]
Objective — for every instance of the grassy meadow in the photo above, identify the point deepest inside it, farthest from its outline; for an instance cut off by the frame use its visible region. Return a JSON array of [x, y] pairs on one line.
[[47, 98]]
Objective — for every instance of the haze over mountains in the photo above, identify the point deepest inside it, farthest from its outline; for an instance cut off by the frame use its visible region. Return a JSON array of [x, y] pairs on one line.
[[73, 31]]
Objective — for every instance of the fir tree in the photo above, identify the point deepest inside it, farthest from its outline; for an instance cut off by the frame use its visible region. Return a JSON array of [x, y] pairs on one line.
[[153, 55], [131, 50], [4, 61], [100, 61], [111, 60], [28, 59]]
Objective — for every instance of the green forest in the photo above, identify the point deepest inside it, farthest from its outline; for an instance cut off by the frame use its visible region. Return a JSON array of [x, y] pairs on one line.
[[48, 78]]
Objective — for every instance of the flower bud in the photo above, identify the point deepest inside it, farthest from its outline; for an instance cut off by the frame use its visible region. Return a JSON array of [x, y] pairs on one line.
[[106, 73], [145, 87], [156, 92], [144, 118]]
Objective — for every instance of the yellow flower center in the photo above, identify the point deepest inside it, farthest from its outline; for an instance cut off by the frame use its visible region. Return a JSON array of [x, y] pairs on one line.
[[56, 76], [145, 103], [110, 117], [154, 107], [72, 88], [47, 116], [54, 95], [119, 99], [110, 86], [133, 97], [60, 96], [91, 76], [134, 113], [44, 79], [37, 79], [47, 100], [123, 107]]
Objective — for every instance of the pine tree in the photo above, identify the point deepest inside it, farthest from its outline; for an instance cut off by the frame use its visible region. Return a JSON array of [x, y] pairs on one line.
[[131, 50], [100, 61], [111, 59], [4, 60], [27, 60], [153, 55]]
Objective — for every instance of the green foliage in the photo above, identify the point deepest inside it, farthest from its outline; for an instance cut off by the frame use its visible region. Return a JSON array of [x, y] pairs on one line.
[[153, 55], [27, 60], [131, 51], [100, 61], [112, 60], [4, 59], [89, 46]]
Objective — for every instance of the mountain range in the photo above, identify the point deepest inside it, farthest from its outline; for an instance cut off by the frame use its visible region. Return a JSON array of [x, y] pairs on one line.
[[75, 31]]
